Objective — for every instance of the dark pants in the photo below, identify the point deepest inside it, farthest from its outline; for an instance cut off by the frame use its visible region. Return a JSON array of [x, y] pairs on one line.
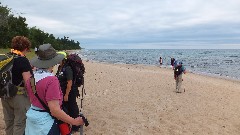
[[72, 106]]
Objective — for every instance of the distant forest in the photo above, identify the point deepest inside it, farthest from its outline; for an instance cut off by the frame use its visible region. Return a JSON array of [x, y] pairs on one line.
[[11, 26]]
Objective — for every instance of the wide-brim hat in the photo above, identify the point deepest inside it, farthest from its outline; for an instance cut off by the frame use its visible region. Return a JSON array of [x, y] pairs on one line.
[[46, 57]]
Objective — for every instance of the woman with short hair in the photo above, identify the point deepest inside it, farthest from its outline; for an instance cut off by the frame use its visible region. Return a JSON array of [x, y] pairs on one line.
[[15, 108]]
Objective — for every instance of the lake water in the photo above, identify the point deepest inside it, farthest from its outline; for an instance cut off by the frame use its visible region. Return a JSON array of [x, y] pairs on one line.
[[219, 62]]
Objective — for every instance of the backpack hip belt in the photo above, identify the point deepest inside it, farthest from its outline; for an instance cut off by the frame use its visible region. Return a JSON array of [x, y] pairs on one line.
[[21, 90]]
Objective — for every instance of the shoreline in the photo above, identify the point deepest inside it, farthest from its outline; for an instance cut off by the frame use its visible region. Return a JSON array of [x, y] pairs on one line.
[[85, 59], [208, 62], [169, 68]]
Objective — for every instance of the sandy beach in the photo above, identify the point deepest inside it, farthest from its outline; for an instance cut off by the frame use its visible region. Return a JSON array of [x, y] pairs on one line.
[[141, 100]]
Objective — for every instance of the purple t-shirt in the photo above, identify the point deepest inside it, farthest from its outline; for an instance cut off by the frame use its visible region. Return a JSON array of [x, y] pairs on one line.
[[48, 89]]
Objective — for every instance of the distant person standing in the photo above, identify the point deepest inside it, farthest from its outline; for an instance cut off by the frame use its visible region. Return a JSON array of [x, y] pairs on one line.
[[178, 70], [172, 62], [35, 50], [160, 61]]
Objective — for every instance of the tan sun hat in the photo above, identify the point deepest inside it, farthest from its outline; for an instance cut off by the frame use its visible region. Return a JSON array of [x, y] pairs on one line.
[[46, 57]]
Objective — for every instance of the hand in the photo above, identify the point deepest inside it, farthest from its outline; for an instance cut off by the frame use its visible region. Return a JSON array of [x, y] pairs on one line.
[[78, 121], [65, 98]]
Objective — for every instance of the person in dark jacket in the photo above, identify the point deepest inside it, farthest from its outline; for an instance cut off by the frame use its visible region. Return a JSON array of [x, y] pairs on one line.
[[70, 90], [172, 62], [179, 69], [160, 61]]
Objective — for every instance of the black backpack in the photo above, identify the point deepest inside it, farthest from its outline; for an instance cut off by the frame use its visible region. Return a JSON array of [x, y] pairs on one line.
[[7, 88], [75, 62], [178, 70]]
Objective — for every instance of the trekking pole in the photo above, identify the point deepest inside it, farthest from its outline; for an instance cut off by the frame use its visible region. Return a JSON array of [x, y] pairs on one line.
[[81, 127], [81, 114], [85, 122]]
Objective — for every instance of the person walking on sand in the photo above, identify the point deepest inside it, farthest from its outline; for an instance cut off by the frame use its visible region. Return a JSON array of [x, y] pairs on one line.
[[46, 96], [15, 108], [179, 69], [160, 61], [172, 62]]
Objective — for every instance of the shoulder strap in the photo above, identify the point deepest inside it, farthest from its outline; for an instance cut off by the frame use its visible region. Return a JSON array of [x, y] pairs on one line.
[[32, 82], [5, 63], [43, 104]]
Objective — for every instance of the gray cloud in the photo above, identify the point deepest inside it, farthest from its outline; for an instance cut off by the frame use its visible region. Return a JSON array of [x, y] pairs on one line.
[[137, 23]]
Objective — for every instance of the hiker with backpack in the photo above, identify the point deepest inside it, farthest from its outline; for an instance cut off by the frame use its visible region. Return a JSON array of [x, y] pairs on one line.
[[179, 69], [70, 74], [46, 96], [15, 101]]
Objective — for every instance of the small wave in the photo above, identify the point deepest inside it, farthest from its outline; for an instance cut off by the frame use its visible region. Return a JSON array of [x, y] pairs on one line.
[[206, 52], [228, 61], [234, 56]]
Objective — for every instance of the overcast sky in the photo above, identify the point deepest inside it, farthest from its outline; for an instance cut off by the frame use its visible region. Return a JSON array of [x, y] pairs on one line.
[[142, 24]]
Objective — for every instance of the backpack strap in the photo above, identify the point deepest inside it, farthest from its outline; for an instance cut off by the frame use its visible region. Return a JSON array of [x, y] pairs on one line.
[[32, 82]]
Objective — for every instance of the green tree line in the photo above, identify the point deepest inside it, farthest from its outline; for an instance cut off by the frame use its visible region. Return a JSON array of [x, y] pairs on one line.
[[11, 26]]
